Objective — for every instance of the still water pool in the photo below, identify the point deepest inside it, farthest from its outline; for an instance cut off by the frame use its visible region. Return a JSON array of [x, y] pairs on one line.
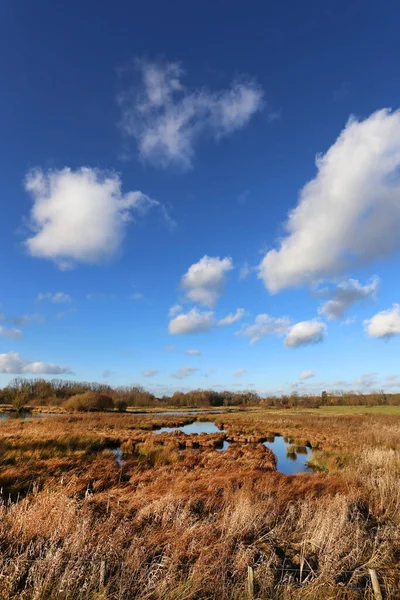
[[287, 463]]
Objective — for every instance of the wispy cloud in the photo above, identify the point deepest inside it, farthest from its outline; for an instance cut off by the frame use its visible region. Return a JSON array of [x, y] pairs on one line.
[[239, 372], [10, 333], [166, 119], [136, 296], [174, 310], [28, 319], [184, 372], [264, 325], [149, 372], [232, 317], [347, 293], [56, 297], [306, 375]]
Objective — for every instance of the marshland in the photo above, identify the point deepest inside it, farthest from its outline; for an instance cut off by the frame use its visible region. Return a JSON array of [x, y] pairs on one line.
[[102, 503]]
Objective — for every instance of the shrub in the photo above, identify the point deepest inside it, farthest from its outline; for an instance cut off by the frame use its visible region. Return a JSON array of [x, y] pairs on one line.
[[89, 402], [120, 404]]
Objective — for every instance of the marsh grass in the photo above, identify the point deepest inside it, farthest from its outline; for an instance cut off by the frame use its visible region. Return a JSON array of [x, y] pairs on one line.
[[187, 524]]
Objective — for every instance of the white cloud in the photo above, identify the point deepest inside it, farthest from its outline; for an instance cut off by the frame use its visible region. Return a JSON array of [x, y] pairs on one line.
[[136, 296], [166, 119], [232, 317], [306, 375], [12, 363], [349, 213], [183, 372], [80, 216], [305, 333], [239, 372], [205, 280], [57, 297], [150, 372], [384, 324], [193, 352], [174, 310], [264, 325], [11, 333], [347, 293], [193, 321]]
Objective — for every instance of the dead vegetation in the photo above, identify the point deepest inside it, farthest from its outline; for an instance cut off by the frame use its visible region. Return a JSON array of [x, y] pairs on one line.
[[175, 522]]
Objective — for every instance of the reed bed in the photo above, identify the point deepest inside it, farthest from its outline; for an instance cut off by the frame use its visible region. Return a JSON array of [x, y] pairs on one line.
[[187, 524]]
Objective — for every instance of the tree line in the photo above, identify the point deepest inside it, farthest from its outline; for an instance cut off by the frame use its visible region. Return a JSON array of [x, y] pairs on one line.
[[78, 395]]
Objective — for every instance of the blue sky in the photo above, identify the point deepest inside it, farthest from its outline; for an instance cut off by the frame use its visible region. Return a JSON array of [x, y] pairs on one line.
[[217, 178]]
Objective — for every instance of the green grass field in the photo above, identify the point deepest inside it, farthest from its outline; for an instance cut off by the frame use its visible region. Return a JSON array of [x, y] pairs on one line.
[[355, 410]]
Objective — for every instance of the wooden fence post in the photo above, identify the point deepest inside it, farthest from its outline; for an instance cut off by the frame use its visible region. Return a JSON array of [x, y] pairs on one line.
[[375, 584], [102, 581], [250, 583]]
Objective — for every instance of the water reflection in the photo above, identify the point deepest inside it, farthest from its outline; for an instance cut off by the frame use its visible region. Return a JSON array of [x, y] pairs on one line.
[[195, 427], [24, 415], [290, 460]]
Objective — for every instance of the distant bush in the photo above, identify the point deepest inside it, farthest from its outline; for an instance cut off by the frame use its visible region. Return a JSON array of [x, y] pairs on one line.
[[120, 404], [89, 402]]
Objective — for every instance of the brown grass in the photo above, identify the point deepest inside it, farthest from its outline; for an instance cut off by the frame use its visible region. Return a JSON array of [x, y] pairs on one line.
[[180, 523]]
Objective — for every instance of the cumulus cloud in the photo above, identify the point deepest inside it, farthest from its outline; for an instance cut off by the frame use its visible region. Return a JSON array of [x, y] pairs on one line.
[[166, 119], [205, 280], [384, 324], [306, 375], [149, 372], [239, 372], [264, 325], [80, 216], [12, 363], [11, 333], [193, 352], [184, 372], [194, 321], [305, 333], [349, 213], [347, 293], [232, 317], [57, 297], [174, 310]]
